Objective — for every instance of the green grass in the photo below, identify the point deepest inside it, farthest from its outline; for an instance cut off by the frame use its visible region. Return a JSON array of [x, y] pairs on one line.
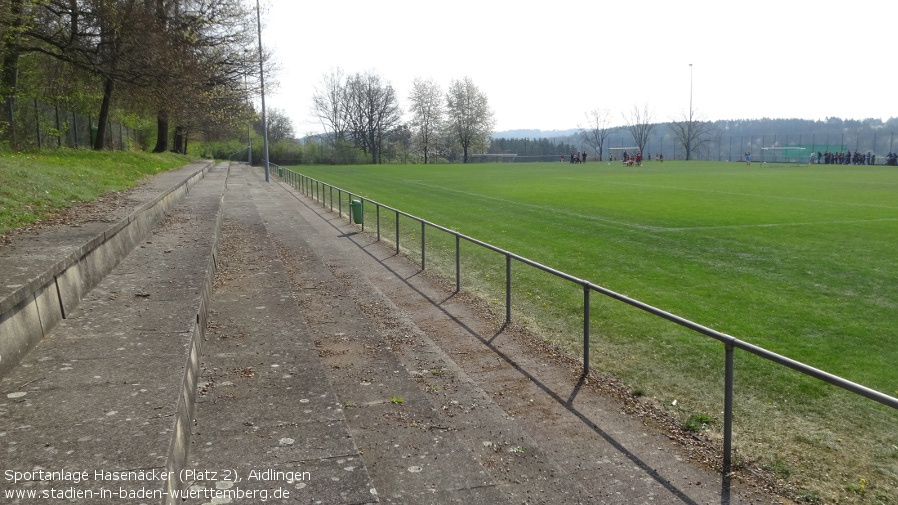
[[35, 185], [798, 260]]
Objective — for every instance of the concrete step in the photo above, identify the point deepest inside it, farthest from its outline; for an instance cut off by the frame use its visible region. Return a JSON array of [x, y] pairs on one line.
[[267, 423], [109, 389], [46, 273], [418, 445], [523, 413]]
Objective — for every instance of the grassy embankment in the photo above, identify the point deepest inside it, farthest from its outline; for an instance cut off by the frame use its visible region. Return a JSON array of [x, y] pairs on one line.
[[799, 260], [35, 185]]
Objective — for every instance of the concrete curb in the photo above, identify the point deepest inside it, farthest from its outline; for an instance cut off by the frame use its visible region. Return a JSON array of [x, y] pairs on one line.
[[34, 309], [183, 426]]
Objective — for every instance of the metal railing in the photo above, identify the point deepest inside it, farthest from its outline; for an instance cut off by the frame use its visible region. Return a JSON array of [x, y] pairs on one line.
[[319, 191]]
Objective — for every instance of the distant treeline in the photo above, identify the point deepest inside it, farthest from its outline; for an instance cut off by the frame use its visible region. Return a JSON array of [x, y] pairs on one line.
[[532, 147], [728, 139]]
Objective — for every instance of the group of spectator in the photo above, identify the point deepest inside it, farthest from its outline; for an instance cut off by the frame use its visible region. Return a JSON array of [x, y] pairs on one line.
[[576, 157], [892, 159], [841, 158]]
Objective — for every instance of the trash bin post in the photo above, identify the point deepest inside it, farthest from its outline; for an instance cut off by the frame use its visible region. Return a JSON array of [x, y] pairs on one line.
[[357, 215]]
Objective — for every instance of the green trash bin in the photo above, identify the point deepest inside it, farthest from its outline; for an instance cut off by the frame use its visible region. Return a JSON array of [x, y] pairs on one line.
[[357, 216]]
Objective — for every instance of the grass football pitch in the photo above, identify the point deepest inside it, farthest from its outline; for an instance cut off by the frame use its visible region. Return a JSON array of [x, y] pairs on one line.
[[797, 259]]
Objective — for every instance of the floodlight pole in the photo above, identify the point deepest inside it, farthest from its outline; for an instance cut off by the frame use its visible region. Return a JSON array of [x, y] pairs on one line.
[[690, 93], [249, 122], [262, 83]]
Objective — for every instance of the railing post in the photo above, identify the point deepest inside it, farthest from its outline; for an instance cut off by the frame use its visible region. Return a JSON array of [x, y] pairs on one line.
[[377, 217], [362, 204], [422, 247], [586, 291], [339, 203], [397, 232], [75, 129], [332, 198], [457, 263], [728, 412], [507, 288]]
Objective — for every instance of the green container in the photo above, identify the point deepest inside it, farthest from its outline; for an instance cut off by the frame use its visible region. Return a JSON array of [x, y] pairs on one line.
[[357, 216]]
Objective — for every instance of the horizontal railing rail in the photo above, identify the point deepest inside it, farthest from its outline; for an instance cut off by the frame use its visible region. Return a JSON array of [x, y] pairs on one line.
[[316, 190]]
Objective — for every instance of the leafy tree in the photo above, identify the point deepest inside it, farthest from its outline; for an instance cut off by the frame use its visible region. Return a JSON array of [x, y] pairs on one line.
[[12, 25], [203, 66], [179, 57], [470, 118], [427, 114]]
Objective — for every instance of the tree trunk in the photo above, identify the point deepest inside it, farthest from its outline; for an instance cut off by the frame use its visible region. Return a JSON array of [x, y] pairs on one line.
[[108, 88], [10, 71], [179, 140], [9, 85], [161, 132]]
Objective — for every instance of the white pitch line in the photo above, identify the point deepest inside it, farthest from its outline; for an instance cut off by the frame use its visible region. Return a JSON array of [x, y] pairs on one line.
[[754, 195], [665, 229], [774, 225], [553, 210]]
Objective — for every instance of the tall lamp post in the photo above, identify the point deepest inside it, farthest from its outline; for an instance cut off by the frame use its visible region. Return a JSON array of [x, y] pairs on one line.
[[690, 92], [262, 83], [249, 125]]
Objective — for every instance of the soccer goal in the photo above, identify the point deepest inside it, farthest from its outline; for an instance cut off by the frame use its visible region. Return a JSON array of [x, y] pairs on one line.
[[617, 153], [793, 155]]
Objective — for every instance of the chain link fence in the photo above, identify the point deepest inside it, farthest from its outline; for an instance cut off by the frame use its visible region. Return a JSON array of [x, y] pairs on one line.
[[768, 148], [38, 125]]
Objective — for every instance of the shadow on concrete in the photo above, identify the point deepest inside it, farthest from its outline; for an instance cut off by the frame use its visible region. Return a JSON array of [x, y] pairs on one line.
[[567, 403]]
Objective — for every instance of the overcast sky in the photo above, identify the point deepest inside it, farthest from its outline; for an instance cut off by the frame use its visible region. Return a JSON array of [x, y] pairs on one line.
[[542, 65]]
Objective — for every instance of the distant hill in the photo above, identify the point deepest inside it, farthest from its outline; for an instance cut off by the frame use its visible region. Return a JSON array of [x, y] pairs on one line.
[[533, 134]]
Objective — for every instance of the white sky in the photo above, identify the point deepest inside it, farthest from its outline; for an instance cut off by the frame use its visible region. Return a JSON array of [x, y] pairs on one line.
[[543, 65]]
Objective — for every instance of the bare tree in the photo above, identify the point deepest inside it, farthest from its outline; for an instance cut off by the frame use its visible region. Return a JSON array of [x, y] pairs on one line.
[[639, 124], [279, 126], [470, 117], [427, 114], [691, 133], [328, 104], [599, 129], [371, 111]]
